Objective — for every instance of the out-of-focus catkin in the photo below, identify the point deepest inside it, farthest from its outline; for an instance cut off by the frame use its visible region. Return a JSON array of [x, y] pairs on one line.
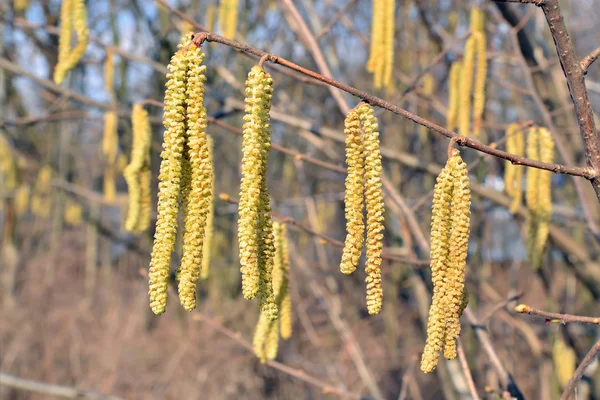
[[228, 17], [466, 85], [353, 199], [381, 58], [454, 95], [109, 71], [480, 80], [540, 146], [169, 180], [22, 200], [200, 193], [73, 213], [208, 235], [254, 221], [20, 5], [450, 227], [41, 199], [110, 146], [137, 173], [513, 174], [73, 17]]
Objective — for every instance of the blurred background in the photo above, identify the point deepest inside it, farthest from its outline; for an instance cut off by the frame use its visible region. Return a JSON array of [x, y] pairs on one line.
[[73, 300]]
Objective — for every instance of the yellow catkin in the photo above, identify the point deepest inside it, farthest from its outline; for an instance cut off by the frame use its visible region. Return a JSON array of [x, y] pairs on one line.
[[41, 198], [260, 336], [211, 14], [479, 86], [228, 17], [110, 144], [466, 84], [200, 193], [513, 174], [564, 360], [77, 16], [353, 198], [428, 88], [453, 95], [254, 221], [9, 172], [285, 298], [477, 20], [208, 235], [109, 71], [22, 200], [450, 224], [169, 180], [73, 213], [374, 207], [20, 5], [381, 56], [137, 173]]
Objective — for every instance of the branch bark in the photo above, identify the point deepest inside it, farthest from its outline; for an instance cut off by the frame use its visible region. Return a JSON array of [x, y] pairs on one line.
[[588, 359]]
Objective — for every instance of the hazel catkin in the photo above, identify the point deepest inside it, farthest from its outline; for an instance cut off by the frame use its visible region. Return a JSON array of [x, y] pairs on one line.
[[450, 227], [513, 174], [454, 91], [73, 15], [169, 180], [381, 56], [208, 235], [110, 146]]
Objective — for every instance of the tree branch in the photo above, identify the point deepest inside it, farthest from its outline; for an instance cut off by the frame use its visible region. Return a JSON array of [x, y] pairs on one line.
[[376, 101], [556, 317], [589, 59]]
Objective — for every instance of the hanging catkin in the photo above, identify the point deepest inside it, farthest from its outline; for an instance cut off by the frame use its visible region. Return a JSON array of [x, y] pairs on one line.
[[454, 93], [137, 173], [22, 200], [169, 180], [466, 84], [513, 174], [228, 17], [479, 87], [200, 193], [540, 146], [363, 186], [450, 225], [381, 58], [41, 199], [266, 335], [73, 16], [110, 145], [255, 233], [20, 5], [208, 235], [109, 71]]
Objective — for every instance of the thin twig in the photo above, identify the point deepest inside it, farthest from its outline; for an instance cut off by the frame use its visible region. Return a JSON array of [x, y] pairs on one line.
[[587, 360], [556, 317], [462, 358], [589, 59]]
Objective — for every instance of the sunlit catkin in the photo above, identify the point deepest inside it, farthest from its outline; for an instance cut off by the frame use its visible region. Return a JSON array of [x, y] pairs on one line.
[[109, 71], [479, 86], [381, 56], [253, 224], [513, 174], [137, 173], [208, 235], [73, 214], [22, 200], [41, 199], [260, 336], [20, 5], [450, 226], [73, 17], [353, 198], [200, 193], [110, 145], [169, 180], [374, 207], [454, 91]]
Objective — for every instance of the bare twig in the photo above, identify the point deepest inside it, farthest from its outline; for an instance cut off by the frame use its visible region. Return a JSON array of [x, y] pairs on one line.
[[588, 359], [589, 59], [466, 370], [556, 317], [341, 12], [67, 392]]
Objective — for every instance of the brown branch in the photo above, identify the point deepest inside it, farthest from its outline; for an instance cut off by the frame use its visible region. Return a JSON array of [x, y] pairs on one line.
[[536, 2], [589, 59], [587, 360], [67, 392], [462, 358], [576, 84], [376, 101], [556, 317]]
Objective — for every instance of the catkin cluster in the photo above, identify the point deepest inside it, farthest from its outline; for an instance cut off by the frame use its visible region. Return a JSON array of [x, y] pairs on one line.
[[255, 229], [266, 335], [538, 195], [363, 190], [110, 147], [381, 58], [138, 174], [513, 174], [450, 225], [475, 47], [228, 17], [73, 17], [183, 176]]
